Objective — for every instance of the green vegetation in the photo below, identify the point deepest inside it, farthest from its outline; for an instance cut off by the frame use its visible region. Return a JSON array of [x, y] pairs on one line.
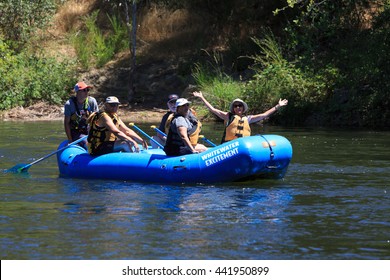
[[330, 61], [329, 58], [219, 88], [26, 79], [94, 49]]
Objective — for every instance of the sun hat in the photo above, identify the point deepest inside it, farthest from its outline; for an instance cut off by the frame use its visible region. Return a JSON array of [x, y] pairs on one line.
[[172, 97], [238, 100], [181, 102], [112, 99], [81, 86]]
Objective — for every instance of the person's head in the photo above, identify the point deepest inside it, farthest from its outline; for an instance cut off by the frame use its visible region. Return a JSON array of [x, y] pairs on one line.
[[238, 107], [172, 102], [82, 88], [111, 105], [182, 106]]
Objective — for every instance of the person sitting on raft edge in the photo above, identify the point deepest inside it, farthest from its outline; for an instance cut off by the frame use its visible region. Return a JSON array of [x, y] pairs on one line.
[[109, 134], [178, 139]]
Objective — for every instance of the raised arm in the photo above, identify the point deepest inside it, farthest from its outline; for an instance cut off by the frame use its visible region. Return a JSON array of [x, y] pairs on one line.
[[266, 114], [221, 114]]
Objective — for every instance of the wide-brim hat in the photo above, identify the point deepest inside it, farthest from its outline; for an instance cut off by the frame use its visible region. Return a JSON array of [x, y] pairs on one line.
[[112, 100], [81, 86], [181, 102], [241, 101]]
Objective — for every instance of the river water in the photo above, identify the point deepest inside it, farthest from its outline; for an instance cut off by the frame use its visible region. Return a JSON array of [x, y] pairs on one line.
[[332, 204]]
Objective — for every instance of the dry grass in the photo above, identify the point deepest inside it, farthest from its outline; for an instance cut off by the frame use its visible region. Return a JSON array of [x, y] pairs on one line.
[[161, 24], [160, 32], [68, 17]]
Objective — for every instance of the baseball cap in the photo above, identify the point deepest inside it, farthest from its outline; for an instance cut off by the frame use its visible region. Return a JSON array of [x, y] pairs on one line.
[[81, 86], [181, 102], [172, 97], [112, 99]]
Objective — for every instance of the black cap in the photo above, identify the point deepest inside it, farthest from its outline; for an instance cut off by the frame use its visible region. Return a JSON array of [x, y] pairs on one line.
[[173, 97]]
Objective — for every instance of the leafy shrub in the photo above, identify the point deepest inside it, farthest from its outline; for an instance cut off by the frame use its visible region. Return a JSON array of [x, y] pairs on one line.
[[278, 78], [26, 79], [20, 19]]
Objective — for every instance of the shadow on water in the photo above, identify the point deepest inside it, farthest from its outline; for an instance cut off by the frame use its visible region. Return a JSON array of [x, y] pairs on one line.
[[332, 204]]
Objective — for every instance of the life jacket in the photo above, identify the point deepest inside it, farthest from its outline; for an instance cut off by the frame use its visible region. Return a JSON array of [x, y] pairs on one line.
[[168, 123], [78, 120], [236, 127], [195, 131], [197, 127], [98, 134]]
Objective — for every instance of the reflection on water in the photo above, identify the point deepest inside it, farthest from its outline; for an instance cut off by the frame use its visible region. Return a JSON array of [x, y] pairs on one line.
[[332, 204]]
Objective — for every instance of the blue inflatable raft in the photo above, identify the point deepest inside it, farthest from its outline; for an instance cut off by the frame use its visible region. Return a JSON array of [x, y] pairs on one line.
[[242, 159]]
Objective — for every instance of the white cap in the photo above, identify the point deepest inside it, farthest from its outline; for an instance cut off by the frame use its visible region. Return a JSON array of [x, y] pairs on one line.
[[181, 102], [112, 99]]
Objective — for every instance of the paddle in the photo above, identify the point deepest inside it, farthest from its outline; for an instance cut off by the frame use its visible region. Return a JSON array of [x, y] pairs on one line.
[[207, 140], [200, 136], [24, 167], [146, 135], [158, 130]]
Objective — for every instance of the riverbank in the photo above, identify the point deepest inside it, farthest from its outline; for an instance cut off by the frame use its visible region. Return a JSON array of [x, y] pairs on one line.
[[45, 112]]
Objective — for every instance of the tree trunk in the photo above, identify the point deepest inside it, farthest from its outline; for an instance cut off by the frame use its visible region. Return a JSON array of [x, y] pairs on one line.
[[132, 32]]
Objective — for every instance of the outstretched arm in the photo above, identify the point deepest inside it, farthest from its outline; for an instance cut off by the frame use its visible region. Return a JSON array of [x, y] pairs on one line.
[[221, 114], [266, 114]]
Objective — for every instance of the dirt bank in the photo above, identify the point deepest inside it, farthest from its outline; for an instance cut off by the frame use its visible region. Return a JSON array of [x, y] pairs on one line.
[[45, 112]]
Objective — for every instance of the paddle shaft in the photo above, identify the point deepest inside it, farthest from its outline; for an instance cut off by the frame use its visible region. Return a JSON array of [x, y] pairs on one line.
[[208, 141], [27, 166], [159, 131], [146, 135]]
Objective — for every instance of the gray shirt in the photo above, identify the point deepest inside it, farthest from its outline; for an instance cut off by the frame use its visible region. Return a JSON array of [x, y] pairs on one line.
[[70, 107], [181, 122]]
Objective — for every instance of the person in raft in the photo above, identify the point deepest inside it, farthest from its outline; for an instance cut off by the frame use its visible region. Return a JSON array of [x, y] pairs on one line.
[[237, 124], [166, 120], [108, 133], [76, 112], [181, 128], [165, 123]]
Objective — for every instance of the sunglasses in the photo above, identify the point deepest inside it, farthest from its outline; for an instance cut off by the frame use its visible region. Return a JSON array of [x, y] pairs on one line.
[[84, 90], [113, 104], [237, 105]]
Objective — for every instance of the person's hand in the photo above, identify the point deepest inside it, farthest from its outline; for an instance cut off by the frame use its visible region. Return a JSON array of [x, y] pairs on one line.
[[136, 147], [197, 94], [144, 144], [132, 144], [283, 102]]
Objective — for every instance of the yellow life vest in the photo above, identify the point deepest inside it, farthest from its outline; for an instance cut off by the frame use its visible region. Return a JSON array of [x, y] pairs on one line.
[[168, 123], [98, 134], [236, 127], [197, 127]]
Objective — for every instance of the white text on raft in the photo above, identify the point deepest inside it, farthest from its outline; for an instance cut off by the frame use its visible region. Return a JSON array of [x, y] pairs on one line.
[[221, 153]]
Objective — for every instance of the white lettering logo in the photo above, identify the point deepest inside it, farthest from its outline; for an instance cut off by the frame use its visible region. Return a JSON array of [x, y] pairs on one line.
[[221, 153]]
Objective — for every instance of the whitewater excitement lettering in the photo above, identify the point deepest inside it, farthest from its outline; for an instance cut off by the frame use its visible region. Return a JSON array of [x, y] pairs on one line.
[[221, 153]]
